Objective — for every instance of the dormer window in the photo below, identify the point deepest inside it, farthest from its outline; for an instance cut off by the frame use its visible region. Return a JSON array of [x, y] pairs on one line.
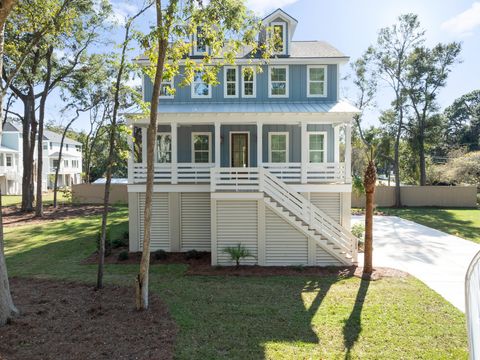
[[279, 29], [200, 47]]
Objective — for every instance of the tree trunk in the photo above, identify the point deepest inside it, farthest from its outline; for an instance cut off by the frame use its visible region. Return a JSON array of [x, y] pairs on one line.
[[369, 181]]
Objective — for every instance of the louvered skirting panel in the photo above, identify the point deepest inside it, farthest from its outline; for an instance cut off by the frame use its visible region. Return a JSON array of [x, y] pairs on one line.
[[329, 203], [322, 258], [284, 245], [160, 238], [195, 221], [236, 224]]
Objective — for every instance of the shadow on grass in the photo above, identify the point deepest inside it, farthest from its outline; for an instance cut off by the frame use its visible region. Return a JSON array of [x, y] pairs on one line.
[[353, 325]]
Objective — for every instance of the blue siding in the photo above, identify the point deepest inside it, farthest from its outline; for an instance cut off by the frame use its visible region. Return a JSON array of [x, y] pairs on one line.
[[297, 90], [185, 141], [294, 141]]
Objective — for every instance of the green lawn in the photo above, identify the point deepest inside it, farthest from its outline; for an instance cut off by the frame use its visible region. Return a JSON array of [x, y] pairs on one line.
[[8, 200], [460, 222], [281, 317]]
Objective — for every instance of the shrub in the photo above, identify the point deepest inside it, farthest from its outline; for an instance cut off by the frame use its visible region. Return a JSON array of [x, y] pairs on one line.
[[126, 235], [119, 243], [160, 255], [193, 254], [237, 253], [108, 242], [123, 256], [358, 230]]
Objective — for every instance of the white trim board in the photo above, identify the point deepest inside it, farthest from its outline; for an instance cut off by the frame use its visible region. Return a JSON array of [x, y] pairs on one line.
[[209, 134], [286, 133], [325, 82], [230, 133]]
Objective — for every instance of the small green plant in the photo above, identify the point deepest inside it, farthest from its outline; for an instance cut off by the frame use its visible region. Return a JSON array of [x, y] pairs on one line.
[[358, 230], [108, 242], [122, 256], [117, 243], [67, 193], [126, 235], [237, 253], [160, 255], [194, 254]]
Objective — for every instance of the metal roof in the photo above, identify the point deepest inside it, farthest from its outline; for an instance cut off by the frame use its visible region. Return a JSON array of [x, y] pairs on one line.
[[64, 155], [6, 149], [258, 107], [57, 138]]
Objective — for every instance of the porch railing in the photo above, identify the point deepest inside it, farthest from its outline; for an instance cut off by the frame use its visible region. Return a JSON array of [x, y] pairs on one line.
[[180, 173]]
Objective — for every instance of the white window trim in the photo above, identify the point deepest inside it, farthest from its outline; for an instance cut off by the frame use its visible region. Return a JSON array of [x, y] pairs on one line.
[[160, 133], [270, 133], [231, 147], [170, 96], [325, 68], [254, 80], [325, 147], [11, 160], [225, 69], [287, 85], [284, 36], [209, 134], [195, 96], [195, 51]]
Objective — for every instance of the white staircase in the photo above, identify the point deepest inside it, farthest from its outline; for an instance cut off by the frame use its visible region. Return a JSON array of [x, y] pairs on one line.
[[291, 206]]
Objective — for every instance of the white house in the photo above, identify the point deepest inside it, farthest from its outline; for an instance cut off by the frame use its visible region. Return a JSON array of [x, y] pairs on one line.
[[11, 164], [262, 160]]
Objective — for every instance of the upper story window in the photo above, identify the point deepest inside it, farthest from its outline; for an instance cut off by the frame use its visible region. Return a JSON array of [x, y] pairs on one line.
[[200, 89], [317, 150], [51, 146], [278, 147], [66, 147], [55, 163], [78, 148], [317, 81], [249, 84], [45, 146], [9, 160], [279, 29], [164, 148], [75, 164], [230, 82], [65, 163], [201, 148], [200, 46], [278, 81], [166, 88]]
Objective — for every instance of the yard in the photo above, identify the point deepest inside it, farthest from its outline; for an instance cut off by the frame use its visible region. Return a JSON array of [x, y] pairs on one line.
[[464, 223], [277, 317], [10, 200]]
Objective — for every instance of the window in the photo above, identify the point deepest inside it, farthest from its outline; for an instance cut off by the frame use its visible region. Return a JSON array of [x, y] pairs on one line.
[[279, 29], [45, 146], [278, 147], [75, 164], [316, 81], [249, 89], [65, 163], [278, 81], [165, 89], [55, 164], [200, 46], [78, 148], [201, 147], [66, 147], [231, 82], [137, 145], [164, 148], [200, 89], [317, 147], [9, 160], [51, 146]]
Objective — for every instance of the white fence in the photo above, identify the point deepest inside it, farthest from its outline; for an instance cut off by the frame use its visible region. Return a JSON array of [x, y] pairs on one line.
[[472, 306]]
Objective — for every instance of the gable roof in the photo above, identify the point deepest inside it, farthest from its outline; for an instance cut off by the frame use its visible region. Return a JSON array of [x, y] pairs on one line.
[[279, 13], [53, 136], [12, 127]]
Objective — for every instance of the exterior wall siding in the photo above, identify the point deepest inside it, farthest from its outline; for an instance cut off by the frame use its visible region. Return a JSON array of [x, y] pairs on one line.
[[297, 88], [329, 203], [160, 233], [195, 221]]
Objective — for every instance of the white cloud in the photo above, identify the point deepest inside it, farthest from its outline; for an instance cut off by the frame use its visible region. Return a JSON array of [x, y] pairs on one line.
[[464, 23], [120, 12], [261, 7]]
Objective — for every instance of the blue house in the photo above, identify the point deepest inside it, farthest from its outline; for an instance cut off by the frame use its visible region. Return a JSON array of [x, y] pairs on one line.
[[262, 159]]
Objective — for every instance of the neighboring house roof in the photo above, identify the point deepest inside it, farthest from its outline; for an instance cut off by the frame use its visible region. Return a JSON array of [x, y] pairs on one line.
[[52, 136], [259, 107], [12, 127], [64, 155], [113, 181]]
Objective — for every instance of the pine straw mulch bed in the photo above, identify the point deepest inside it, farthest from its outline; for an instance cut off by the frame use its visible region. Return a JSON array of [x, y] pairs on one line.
[[65, 320], [12, 216], [202, 266]]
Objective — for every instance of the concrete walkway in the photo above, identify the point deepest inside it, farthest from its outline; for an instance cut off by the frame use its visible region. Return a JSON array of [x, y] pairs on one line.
[[438, 259]]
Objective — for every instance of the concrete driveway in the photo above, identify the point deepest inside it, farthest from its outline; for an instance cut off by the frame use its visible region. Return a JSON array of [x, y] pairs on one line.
[[438, 259]]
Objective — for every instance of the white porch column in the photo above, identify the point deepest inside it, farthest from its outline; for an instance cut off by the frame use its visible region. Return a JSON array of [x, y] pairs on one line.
[[336, 146], [173, 131], [304, 154], [218, 145], [259, 144], [130, 159], [348, 153], [144, 145]]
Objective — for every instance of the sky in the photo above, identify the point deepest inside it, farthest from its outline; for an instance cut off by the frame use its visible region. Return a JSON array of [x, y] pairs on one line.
[[351, 26]]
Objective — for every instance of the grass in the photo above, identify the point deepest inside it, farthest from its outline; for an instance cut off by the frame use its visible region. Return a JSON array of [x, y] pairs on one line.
[[9, 200], [464, 223], [280, 317]]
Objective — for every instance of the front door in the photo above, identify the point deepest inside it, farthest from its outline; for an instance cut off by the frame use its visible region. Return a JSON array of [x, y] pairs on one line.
[[239, 154]]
